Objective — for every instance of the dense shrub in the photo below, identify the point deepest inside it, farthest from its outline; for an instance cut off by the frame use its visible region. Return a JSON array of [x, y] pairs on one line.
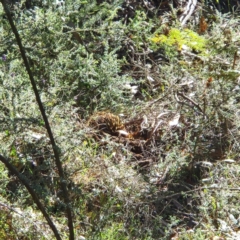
[[144, 113]]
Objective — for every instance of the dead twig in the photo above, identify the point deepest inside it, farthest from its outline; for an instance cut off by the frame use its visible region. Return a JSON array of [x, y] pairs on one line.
[[189, 9], [190, 100], [198, 189]]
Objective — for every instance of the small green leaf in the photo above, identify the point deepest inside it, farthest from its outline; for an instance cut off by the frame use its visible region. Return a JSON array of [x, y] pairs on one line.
[[13, 152]]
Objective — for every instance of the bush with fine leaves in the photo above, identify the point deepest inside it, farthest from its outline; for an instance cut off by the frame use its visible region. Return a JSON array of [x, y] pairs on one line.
[[144, 114]]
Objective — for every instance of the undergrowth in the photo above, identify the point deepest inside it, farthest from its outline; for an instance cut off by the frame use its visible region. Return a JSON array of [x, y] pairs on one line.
[[146, 119]]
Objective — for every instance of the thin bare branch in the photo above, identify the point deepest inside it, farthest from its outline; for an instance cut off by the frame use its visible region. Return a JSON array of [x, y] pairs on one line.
[[35, 198], [56, 150]]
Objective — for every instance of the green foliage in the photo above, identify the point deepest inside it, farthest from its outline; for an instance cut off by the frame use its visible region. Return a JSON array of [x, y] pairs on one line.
[[176, 39], [6, 231], [140, 28], [113, 232], [84, 55], [70, 70]]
